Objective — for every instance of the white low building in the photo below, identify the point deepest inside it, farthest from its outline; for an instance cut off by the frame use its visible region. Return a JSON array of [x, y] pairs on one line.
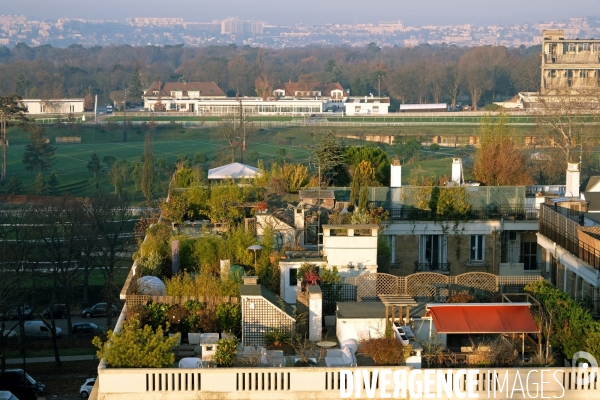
[[350, 248], [361, 106], [53, 106]]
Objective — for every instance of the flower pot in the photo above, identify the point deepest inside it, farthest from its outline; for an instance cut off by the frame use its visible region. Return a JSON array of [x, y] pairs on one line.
[[288, 349], [194, 338]]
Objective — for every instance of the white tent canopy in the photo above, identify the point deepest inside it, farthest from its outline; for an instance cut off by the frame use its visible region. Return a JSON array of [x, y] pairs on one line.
[[233, 171]]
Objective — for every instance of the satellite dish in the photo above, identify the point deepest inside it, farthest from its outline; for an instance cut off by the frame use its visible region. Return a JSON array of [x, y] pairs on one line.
[[255, 247]]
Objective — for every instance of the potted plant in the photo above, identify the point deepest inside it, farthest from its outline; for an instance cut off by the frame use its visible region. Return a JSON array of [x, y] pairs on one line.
[[309, 274], [278, 339], [307, 354], [226, 352]]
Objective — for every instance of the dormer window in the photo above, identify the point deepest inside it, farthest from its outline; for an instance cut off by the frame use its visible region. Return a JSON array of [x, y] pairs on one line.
[[177, 94], [194, 94], [155, 92]]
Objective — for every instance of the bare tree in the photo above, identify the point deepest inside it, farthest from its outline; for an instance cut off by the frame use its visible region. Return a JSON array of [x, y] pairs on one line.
[[109, 216], [477, 79], [567, 115], [453, 81]]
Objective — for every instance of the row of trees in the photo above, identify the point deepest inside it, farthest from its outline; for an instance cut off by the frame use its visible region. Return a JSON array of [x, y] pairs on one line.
[[61, 240], [412, 75]]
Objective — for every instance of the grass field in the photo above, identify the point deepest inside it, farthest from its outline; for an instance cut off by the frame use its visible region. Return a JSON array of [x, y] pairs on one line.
[[456, 118], [171, 141]]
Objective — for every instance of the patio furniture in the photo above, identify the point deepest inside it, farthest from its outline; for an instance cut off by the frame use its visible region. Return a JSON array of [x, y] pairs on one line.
[[190, 362], [326, 344], [272, 358], [352, 344], [343, 357], [194, 338]]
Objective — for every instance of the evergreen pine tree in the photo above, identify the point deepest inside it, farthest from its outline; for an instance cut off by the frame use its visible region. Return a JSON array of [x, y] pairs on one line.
[[39, 154], [39, 187], [14, 185], [136, 90], [94, 164], [53, 183]]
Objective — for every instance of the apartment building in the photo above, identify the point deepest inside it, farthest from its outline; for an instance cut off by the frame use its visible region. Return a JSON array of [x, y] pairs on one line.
[[569, 63]]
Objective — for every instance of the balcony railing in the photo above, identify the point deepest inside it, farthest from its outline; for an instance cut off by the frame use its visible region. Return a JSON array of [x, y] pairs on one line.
[[415, 214], [431, 267]]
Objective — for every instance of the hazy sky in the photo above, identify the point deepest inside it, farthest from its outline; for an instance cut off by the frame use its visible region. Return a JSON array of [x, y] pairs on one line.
[[413, 12]]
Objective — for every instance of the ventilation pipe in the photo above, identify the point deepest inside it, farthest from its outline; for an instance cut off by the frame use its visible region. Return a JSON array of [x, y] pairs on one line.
[[573, 173], [457, 171]]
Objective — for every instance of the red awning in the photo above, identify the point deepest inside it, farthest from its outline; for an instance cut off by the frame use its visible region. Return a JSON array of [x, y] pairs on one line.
[[482, 318]]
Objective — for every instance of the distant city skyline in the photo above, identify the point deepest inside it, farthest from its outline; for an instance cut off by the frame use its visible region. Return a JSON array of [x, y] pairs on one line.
[[312, 12]]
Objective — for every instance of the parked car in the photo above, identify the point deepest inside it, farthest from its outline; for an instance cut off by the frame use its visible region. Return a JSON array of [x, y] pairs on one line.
[[39, 329], [14, 313], [87, 387], [60, 311], [87, 328], [6, 395], [98, 310], [21, 384], [9, 333]]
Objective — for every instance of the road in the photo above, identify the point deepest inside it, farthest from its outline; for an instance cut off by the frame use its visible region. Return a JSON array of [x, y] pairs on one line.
[[62, 323]]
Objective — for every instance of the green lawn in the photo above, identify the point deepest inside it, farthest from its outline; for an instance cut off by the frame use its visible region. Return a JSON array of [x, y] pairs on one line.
[[171, 141]]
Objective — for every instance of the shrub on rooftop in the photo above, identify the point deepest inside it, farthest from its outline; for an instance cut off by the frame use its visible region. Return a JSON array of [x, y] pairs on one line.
[[137, 346]]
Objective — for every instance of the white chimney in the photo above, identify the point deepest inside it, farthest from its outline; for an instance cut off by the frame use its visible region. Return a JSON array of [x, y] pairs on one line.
[[395, 174], [457, 171], [572, 189]]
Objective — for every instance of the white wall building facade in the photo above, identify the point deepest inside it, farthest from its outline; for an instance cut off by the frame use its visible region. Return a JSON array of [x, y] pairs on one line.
[[54, 106]]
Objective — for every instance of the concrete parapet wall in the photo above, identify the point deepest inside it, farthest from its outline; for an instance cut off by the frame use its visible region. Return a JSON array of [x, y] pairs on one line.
[[321, 383]]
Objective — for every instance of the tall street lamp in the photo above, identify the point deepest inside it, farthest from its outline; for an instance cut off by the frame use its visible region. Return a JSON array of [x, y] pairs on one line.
[[255, 248]]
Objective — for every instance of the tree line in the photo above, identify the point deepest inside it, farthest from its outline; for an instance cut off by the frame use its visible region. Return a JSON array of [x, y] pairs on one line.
[[60, 241], [420, 74]]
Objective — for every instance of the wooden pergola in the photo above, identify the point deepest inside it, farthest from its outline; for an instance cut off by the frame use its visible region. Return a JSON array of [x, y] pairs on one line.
[[391, 301]]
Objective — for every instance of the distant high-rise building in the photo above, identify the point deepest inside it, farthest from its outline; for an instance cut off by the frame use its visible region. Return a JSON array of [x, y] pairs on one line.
[[235, 26], [155, 21], [7, 19]]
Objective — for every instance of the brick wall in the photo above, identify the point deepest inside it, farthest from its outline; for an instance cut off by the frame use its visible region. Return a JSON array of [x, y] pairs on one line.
[[407, 253]]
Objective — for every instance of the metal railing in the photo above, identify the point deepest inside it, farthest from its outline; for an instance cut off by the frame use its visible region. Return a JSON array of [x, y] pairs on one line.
[[416, 214], [432, 267]]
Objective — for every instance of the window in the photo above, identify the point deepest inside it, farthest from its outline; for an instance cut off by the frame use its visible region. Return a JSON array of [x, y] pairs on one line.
[[155, 92], [375, 109], [293, 277], [432, 250], [529, 255], [477, 252], [42, 108]]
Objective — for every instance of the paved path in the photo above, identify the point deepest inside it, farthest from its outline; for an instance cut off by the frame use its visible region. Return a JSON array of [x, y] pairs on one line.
[[29, 360]]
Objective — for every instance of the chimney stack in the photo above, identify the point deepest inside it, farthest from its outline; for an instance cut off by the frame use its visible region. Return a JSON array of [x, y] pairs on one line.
[[250, 280], [572, 189], [395, 174], [457, 171]]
